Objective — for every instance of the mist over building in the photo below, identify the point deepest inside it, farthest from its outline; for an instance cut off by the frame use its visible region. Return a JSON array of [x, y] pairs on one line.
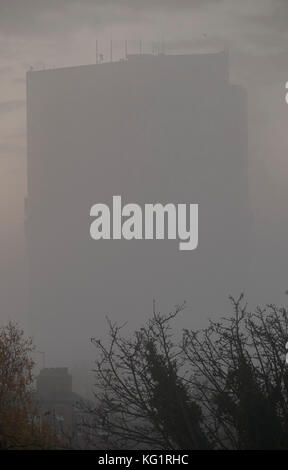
[[153, 129]]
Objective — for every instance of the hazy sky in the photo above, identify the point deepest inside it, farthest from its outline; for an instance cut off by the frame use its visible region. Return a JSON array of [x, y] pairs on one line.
[[53, 33]]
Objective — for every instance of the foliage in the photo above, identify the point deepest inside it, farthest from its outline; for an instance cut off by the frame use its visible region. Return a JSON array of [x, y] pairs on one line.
[[20, 424]]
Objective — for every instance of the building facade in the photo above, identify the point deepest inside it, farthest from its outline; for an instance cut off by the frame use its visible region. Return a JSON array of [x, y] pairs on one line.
[[153, 129]]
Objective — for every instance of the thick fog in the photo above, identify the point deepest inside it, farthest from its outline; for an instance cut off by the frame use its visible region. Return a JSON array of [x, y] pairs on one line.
[[195, 115]]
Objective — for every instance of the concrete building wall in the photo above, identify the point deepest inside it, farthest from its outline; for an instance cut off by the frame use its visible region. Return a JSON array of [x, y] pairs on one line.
[[151, 129]]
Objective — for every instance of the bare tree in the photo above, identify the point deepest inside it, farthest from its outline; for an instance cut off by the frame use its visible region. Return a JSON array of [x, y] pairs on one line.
[[143, 402], [239, 377], [224, 387]]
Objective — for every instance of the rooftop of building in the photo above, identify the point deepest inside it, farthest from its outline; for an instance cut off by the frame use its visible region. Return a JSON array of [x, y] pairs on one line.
[[142, 58], [52, 371]]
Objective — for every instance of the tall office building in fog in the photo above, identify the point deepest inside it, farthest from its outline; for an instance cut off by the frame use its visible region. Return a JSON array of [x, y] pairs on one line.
[[153, 129]]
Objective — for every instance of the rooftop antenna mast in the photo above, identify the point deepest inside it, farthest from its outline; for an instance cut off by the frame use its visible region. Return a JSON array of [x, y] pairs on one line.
[[97, 52], [163, 46], [43, 358], [111, 50]]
